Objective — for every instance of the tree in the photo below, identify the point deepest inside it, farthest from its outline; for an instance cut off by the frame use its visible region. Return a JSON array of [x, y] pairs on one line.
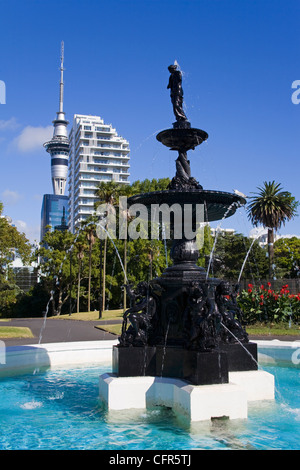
[[108, 193], [80, 246], [89, 228], [271, 207], [12, 244], [287, 257], [55, 265]]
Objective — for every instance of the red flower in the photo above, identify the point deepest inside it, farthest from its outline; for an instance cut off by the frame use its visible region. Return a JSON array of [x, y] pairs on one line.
[[262, 287], [269, 284], [250, 286], [249, 290], [262, 296]]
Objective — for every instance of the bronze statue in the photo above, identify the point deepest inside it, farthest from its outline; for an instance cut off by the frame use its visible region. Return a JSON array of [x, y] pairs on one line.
[[231, 315], [175, 85], [140, 314], [200, 318]]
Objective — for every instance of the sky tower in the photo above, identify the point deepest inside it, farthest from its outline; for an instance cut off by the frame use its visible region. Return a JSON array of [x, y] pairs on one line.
[[58, 146]]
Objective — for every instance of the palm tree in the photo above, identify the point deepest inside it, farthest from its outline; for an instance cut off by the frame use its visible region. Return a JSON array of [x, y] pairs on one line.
[[81, 247], [108, 193], [89, 229], [271, 207]]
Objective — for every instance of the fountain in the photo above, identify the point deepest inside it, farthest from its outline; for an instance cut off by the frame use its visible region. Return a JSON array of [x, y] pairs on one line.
[[186, 334]]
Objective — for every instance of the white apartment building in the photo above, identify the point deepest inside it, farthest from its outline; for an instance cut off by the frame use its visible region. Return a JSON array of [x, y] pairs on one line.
[[97, 154]]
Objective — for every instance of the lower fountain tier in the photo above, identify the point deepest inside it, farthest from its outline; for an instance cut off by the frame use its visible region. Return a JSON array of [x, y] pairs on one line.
[[216, 204], [196, 367]]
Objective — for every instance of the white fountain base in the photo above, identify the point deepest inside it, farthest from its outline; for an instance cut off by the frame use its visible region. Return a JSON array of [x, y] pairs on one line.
[[197, 402]]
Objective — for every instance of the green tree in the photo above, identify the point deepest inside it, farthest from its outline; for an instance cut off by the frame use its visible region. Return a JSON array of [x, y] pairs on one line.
[[12, 244], [56, 261], [108, 193], [206, 241], [271, 207], [80, 246], [287, 257], [89, 229], [231, 251]]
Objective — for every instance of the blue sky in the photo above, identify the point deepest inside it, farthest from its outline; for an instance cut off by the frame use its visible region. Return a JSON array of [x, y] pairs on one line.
[[239, 59]]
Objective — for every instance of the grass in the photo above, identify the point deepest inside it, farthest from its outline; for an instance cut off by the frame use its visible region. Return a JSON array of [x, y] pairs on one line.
[[93, 315], [257, 330], [15, 332], [273, 329], [114, 329]]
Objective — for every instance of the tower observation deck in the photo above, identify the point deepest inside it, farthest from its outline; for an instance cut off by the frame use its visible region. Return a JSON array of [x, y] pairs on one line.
[[58, 146]]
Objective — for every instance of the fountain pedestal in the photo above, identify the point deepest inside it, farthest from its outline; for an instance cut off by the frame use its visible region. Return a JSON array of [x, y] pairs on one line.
[[198, 368]]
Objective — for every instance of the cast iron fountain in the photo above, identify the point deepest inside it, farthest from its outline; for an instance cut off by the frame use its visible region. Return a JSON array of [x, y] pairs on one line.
[[183, 324]]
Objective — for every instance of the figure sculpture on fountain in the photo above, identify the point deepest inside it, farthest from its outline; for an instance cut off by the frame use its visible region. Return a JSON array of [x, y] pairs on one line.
[[200, 321], [230, 314], [183, 179], [176, 93]]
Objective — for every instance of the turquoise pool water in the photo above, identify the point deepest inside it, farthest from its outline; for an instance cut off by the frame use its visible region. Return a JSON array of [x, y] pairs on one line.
[[59, 409]]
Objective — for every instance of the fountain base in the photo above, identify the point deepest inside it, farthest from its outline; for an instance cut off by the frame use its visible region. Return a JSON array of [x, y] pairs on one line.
[[197, 403]]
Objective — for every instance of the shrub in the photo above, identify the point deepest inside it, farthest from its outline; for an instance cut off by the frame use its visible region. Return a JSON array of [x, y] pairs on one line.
[[263, 304]]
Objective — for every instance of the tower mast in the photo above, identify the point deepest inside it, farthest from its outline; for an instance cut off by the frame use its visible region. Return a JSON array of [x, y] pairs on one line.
[[61, 85], [58, 146]]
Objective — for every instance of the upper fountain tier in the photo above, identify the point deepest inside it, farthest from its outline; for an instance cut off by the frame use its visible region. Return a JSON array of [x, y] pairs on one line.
[[184, 189], [182, 138]]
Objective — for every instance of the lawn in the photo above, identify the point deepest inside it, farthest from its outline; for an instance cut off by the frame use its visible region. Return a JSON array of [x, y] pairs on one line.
[[280, 329], [254, 330], [15, 332], [93, 315]]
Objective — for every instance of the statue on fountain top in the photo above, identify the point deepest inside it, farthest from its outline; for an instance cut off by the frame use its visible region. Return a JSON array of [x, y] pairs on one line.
[[176, 93]]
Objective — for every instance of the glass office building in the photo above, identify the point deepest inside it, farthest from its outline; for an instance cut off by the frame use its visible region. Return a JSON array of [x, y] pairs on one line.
[[54, 213]]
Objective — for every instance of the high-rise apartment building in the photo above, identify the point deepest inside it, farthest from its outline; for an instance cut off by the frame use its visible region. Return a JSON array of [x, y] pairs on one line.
[[97, 153]]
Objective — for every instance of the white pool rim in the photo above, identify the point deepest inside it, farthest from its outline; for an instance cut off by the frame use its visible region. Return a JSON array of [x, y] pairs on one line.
[[19, 358]]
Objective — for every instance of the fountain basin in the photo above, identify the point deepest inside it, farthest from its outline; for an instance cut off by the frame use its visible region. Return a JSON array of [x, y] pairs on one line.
[[184, 139], [217, 204]]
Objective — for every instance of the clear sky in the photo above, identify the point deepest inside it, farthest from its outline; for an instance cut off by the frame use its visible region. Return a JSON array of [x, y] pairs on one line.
[[239, 59]]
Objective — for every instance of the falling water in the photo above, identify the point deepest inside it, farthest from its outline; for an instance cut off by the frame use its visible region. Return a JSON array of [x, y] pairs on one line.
[[165, 243], [112, 276], [118, 254], [248, 352], [216, 236], [45, 317], [246, 257], [164, 348]]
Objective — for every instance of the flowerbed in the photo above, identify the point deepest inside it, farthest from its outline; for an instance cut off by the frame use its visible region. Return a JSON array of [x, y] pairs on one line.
[[263, 304]]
